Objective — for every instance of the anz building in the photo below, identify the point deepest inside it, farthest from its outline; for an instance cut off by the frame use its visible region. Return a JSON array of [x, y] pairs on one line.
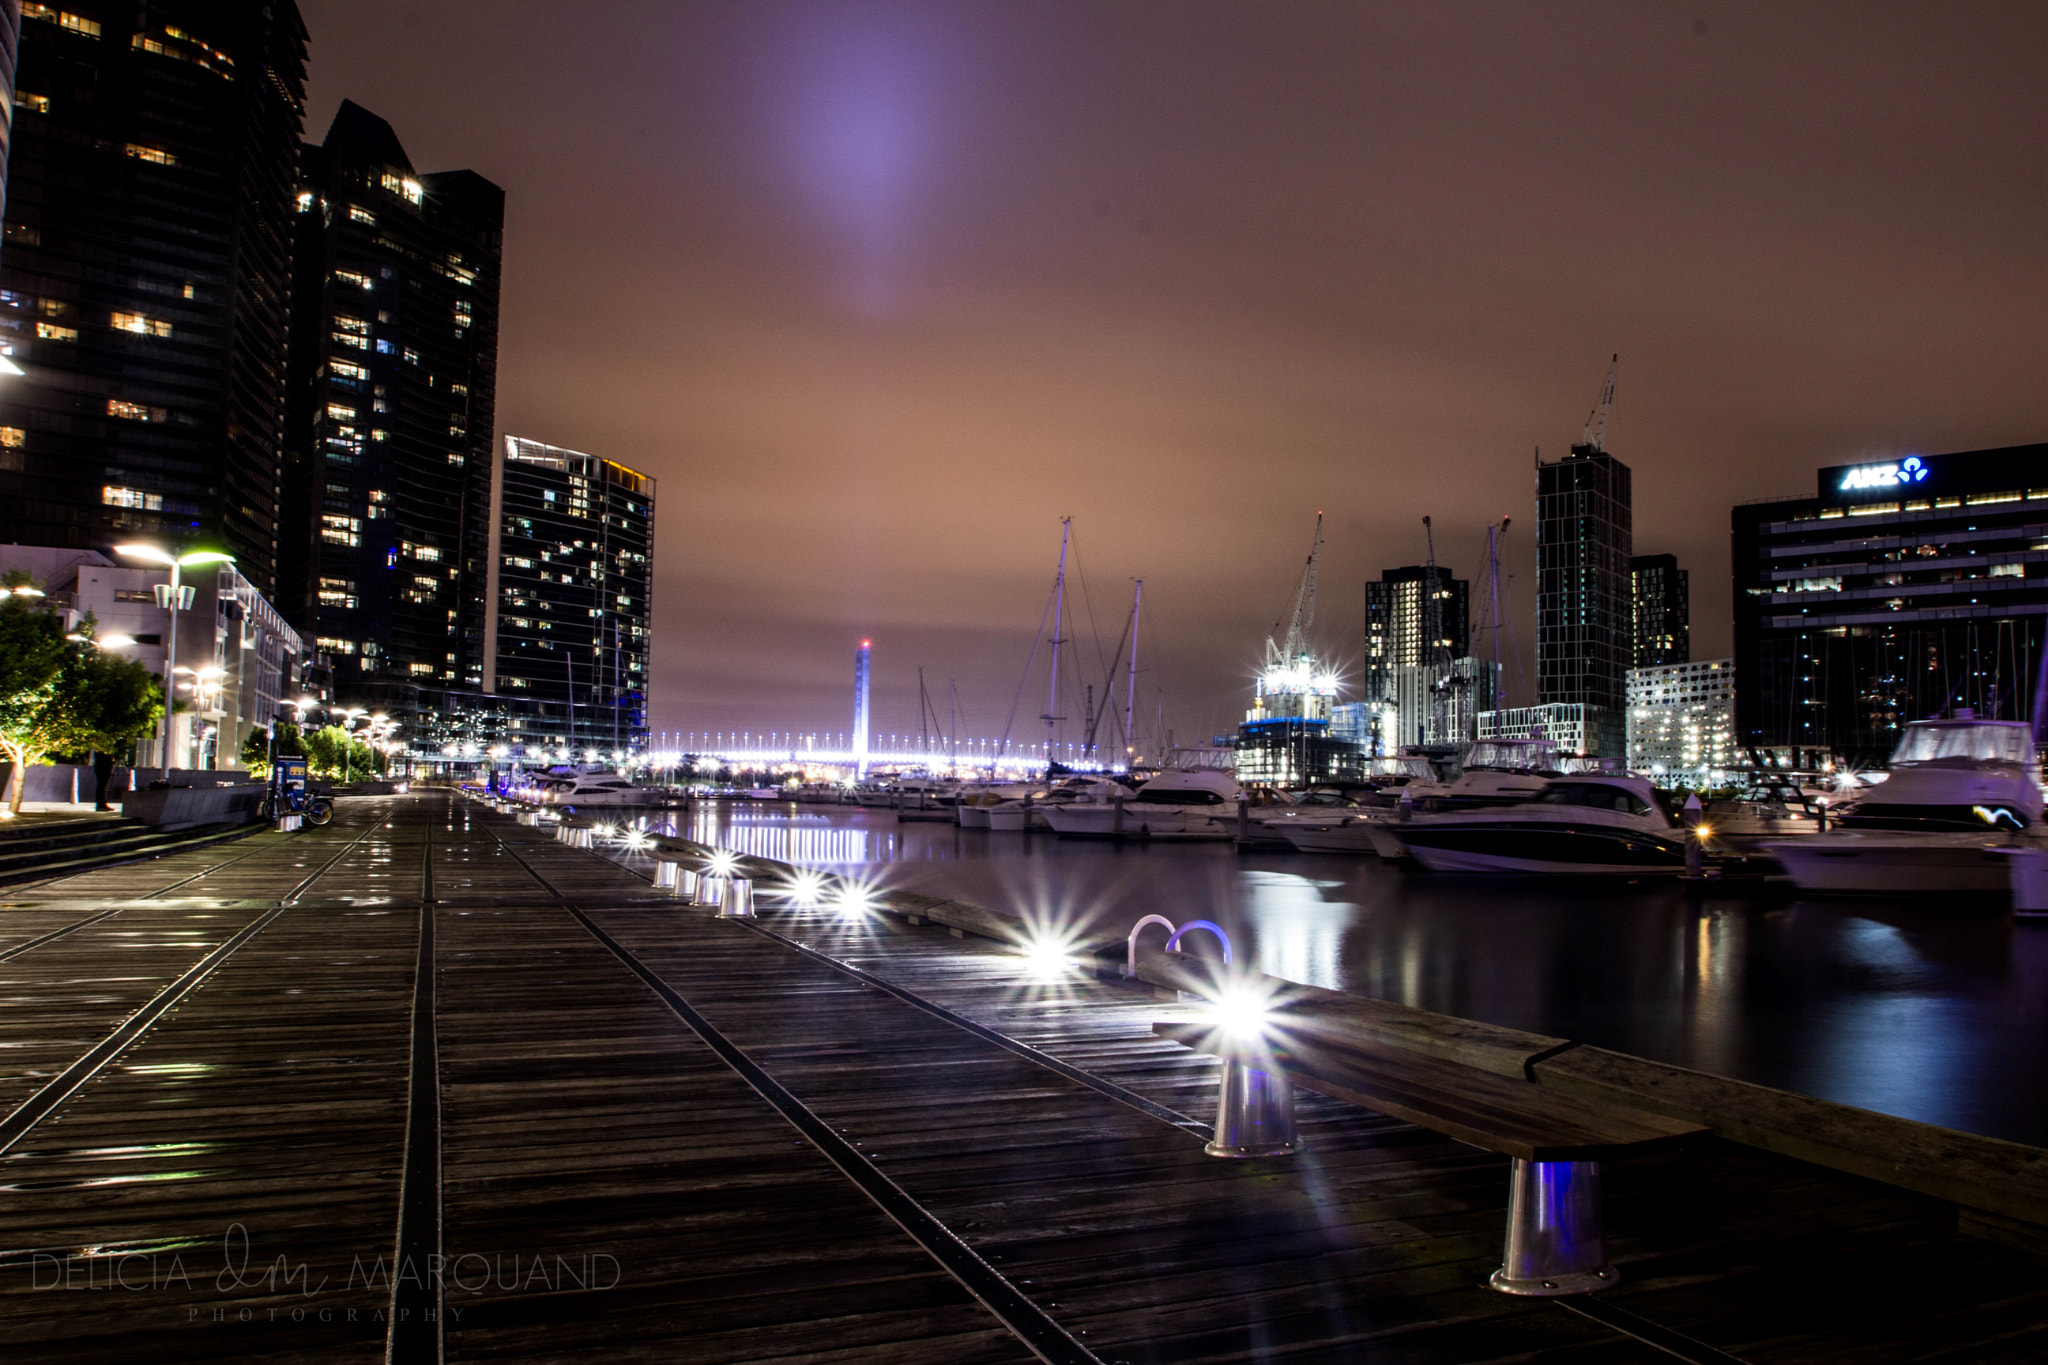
[[1903, 589]]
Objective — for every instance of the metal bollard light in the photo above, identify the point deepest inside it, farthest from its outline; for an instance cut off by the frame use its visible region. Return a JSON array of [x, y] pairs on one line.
[[1555, 1245], [665, 876], [1254, 1113], [689, 887], [739, 899], [711, 890], [585, 838]]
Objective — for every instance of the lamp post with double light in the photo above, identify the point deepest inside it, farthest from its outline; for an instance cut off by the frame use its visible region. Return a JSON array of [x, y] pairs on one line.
[[175, 596]]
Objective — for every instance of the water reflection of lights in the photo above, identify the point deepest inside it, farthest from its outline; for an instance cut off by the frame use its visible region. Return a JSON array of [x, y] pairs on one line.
[[798, 838], [1299, 930]]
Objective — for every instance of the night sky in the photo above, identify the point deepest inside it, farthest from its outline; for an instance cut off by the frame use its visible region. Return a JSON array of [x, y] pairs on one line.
[[880, 292]]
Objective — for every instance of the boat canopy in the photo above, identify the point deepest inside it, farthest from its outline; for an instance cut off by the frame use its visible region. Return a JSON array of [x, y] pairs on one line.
[[1513, 756], [1969, 741]]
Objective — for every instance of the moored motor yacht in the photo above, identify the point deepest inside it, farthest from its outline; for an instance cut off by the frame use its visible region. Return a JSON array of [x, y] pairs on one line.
[[1028, 812], [1962, 794], [1497, 772], [1191, 798], [1584, 825], [971, 810], [574, 791]]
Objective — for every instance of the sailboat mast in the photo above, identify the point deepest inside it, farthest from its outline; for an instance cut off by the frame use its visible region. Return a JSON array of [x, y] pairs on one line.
[[1131, 683], [1059, 602]]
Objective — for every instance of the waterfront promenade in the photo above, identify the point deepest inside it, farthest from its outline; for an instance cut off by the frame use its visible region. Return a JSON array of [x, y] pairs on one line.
[[616, 1125]]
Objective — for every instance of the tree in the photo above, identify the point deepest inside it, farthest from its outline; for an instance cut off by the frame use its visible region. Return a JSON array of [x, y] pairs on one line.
[[63, 695], [256, 752], [332, 752]]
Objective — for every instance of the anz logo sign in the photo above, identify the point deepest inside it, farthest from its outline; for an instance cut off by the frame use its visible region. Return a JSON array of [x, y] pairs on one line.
[[1909, 470]]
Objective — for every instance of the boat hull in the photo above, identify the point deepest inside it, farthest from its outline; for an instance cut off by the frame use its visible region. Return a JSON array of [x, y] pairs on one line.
[[1557, 850], [1874, 863], [971, 816]]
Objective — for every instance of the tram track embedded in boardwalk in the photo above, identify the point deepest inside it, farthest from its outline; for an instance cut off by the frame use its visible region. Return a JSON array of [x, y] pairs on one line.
[[415, 1335], [1030, 1324], [38, 1106]]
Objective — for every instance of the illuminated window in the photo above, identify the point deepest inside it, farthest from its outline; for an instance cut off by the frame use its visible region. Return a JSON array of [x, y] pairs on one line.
[[422, 668], [2008, 571], [305, 200], [429, 554], [135, 412], [346, 339], [50, 331], [35, 104], [154, 155], [131, 497], [405, 187], [454, 458], [74, 23], [351, 277], [142, 325], [412, 357], [12, 438], [332, 646], [358, 214], [347, 369], [340, 530], [341, 412]]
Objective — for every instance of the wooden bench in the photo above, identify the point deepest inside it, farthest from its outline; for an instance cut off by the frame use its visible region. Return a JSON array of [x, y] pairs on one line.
[[1554, 1241]]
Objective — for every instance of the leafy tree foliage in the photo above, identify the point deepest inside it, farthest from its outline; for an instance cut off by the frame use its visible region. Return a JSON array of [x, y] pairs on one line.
[[61, 695], [330, 752]]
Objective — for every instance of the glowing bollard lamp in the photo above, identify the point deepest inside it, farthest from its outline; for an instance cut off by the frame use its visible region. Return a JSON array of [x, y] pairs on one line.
[[1254, 1108], [665, 877], [1254, 1113], [737, 901], [1555, 1244]]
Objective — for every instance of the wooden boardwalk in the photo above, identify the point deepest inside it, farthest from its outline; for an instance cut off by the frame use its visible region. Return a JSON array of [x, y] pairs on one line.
[[622, 1128]]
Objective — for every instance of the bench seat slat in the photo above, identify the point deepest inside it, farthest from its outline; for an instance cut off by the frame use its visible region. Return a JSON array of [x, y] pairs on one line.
[[1497, 1113]]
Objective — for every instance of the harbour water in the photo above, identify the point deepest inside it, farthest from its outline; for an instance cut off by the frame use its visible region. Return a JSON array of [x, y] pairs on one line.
[[1933, 1011]]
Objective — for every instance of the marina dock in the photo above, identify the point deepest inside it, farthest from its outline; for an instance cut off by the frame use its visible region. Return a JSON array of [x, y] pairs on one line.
[[431, 1084]]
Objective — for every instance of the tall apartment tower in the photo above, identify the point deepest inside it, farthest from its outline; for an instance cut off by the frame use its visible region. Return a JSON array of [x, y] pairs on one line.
[[572, 573], [144, 282], [1583, 596], [1398, 614], [394, 380], [1660, 629]]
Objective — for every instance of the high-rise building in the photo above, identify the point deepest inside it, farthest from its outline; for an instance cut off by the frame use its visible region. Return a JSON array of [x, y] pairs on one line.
[[1681, 721], [1660, 628], [394, 382], [1583, 620], [1400, 612], [1904, 588], [144, 281], [571, 583], [1420, 683]]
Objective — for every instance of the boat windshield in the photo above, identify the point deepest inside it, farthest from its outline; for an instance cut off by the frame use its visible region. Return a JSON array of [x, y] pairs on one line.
[[1935, 743], [1597, 795], [1516, 757]]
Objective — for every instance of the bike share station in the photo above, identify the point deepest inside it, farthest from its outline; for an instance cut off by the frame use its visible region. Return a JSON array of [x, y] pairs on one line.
[[291, 804]]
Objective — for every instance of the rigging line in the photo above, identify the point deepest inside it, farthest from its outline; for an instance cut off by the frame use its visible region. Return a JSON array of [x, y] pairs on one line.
[[1030, 662]]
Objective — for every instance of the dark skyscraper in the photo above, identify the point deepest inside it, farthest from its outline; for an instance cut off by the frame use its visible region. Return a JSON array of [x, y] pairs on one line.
[[394, 371], [144, 279], [1661, 621], [1904, 588], [1397, 623], [1583, 626], [571, 574]]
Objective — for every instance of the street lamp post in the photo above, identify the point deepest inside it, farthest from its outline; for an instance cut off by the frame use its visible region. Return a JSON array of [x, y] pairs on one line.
[[174, 599]]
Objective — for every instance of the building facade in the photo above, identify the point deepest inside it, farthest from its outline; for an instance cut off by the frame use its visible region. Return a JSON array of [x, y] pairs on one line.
[[1904, 588], [387, 478], [1681, 722], [144, 280], [1584, 540], [1565, 724], [1418, 678], [1660, 611], [571, 590], [240, 663]]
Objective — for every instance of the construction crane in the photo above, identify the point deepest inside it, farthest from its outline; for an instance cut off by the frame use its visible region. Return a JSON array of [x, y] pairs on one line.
[[1295, 651], [1592, 438]]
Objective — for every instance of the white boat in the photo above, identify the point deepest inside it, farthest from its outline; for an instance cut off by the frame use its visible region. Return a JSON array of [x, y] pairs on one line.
[[1961, 796], [1030, 810], [1192, 798], [1497, 772], [971, 810], [1585, 825], [575, 792]]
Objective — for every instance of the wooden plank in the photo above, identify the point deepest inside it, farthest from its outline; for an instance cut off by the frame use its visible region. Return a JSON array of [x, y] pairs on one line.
[[1512, 1117]]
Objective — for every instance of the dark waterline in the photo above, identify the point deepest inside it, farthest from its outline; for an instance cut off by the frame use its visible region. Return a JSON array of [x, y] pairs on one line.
[[1932, 1011]]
